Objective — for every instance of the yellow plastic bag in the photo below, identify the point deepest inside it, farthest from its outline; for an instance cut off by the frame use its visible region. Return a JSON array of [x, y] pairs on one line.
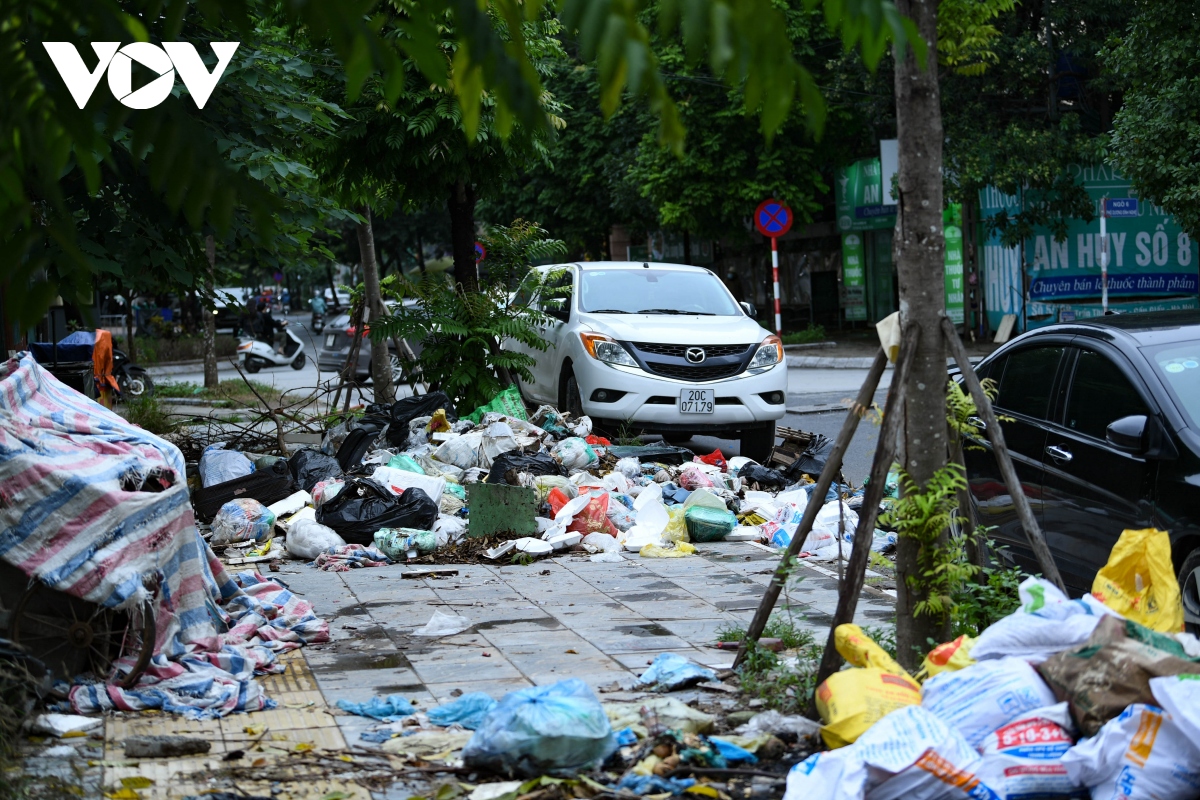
[[680, 550], [438, 422], [1139, 582], [948, 657], [853, 700], [676, 530], [860, 650]]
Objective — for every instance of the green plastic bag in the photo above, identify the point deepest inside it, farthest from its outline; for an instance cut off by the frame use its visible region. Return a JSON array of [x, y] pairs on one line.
[[508, 402], [706, 524], [407, 463]]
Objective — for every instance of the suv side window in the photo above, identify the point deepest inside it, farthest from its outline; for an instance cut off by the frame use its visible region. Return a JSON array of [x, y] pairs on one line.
[[1100, 395], [1027, 381]]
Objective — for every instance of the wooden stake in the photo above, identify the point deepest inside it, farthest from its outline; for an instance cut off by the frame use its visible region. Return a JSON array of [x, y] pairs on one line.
[[860, 550], [983, 405], [832, 468]]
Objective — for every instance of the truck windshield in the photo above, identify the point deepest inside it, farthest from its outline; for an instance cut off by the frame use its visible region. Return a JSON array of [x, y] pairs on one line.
[[1179, 366], [655, 291]]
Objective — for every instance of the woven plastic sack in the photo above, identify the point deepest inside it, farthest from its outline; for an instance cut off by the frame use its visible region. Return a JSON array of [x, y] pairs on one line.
[[1142, 754], [560, 728], [508, 402], [979, 699], [242, 520], [1138, 582], [948, 657]]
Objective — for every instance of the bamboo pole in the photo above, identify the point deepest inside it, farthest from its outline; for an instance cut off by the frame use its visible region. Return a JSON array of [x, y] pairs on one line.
[[832, 468], [1037, 541]]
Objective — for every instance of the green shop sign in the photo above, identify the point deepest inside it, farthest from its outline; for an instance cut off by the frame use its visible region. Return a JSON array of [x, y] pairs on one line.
[[858, 196], [952, 221], [854, 277]]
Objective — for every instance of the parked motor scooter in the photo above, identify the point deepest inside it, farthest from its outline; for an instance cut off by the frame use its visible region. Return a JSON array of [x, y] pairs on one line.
[[132, 380], [255, 354], [318, 322]]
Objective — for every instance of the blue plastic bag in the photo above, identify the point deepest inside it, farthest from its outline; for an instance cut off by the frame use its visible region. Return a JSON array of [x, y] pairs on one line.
[[653, 784], [384, 709], [732, 753], [560, 728], [671, 671], [468, 711]]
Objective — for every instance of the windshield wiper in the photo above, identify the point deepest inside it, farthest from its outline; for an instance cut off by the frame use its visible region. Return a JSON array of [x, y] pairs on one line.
[[608, 311], [676, 311]]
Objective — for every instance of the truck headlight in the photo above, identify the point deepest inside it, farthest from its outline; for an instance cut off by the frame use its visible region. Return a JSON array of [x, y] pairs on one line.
[[770, 352], [604, 348]]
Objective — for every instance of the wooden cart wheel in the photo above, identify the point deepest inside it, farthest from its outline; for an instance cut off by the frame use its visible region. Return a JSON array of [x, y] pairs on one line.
[[72, 636]]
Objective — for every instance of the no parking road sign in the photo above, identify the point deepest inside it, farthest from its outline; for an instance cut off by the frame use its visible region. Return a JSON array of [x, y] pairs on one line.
[[772, 218], [480, 252]]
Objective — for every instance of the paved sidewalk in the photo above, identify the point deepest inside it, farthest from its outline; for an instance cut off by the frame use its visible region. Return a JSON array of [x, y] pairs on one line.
[[537, 624]]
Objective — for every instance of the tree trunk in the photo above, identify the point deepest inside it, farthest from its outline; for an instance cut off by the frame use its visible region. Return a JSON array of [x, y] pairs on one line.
[[210, 321], [421, 253], [462, 236], [332, 289], [381, 368], [130, 350], [919, 252]]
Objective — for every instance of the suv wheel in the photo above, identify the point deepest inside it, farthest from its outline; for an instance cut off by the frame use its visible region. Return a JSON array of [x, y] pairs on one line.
[[572, 401], [1189, 586], [757, 443]]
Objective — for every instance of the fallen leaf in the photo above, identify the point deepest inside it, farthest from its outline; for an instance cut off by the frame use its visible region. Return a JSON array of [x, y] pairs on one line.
[[123, 794], [259, 762], [254, 730], [573, 652], [704, 791], [337, 795], [137, 782], [303, 747], [74, 735], [346, 758]]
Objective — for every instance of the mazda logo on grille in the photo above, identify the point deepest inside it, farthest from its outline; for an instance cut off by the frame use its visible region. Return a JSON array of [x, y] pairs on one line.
[[695, 355]]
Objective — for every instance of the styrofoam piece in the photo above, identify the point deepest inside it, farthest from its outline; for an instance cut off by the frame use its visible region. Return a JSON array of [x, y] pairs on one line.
[[744, 533], [534, 547], [499, 550], [565, 540], [291, 504], [62, 724]]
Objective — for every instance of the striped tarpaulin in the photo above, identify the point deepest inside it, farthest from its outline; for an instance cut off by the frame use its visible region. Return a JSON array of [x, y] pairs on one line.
[[73, 516]]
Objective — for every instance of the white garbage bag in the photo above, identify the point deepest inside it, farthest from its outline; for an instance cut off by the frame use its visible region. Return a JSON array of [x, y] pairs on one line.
[[307, 539]]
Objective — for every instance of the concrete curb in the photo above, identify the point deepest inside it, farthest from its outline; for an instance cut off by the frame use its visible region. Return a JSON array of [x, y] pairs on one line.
[[829, 362], [184, 367]]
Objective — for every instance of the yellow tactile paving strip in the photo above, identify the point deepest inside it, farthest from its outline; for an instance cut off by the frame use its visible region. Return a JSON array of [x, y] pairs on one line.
[[288, 742]]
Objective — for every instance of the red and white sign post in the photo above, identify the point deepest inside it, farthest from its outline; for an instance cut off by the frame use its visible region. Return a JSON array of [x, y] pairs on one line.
[[773, 219]]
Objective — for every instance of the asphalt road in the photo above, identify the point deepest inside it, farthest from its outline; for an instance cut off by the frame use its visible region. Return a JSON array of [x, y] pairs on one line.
[[822, 394]]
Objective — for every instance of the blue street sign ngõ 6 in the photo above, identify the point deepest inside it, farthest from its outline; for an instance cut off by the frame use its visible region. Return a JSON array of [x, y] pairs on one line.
[[1121, 207], [772, 218]]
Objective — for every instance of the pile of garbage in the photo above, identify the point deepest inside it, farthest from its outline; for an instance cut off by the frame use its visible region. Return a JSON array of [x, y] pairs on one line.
[[413, 481], [648, 746], [1094, 697]]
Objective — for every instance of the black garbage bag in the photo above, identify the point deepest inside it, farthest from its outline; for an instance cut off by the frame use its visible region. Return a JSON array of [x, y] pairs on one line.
[[764, 476], [515, 461], [364, 506], [309, 467], [812, 461], [406, 410]]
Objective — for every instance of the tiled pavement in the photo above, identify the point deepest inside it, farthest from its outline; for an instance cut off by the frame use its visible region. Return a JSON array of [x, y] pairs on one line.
[[536, 624]]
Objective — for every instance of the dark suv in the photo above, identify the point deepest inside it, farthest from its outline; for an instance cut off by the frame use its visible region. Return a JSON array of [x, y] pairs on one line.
[[1104, 429]]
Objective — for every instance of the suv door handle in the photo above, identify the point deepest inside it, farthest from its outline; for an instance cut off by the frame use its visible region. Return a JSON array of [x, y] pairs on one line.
[[1059, 454]]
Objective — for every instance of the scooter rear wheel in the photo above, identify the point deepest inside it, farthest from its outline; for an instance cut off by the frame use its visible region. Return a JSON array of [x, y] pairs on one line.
[[300, 361], [253, 365]]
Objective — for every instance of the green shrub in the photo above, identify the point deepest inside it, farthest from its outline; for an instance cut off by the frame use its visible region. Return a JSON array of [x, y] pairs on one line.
[[813, 333]]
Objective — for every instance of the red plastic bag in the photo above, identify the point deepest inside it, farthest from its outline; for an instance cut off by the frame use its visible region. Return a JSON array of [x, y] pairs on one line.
[[598, 440], [592, 519], [715, 458]]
